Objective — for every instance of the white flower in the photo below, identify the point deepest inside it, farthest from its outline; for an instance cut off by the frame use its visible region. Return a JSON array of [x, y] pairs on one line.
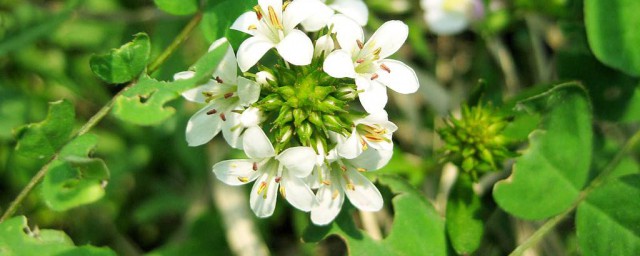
[[224, 94], [354, 9], [272, 24], [446, 17], [367, 64], [344, 177], [374, 130], [284, 172]]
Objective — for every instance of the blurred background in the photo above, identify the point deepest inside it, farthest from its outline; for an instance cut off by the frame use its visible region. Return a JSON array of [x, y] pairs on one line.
[[162, 198]]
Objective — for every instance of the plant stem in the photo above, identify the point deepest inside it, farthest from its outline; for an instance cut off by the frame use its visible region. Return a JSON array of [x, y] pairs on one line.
[[598, 181], [97, 117], [184, 34]]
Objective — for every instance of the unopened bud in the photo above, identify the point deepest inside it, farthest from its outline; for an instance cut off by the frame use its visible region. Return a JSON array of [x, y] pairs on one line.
[[304, 132], [285, 116], [333, 123], [330, 105], [270, 103], [286, 91], [346, 93], [299, 116]]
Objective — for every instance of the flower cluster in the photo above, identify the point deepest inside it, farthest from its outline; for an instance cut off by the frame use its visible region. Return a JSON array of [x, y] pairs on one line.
[[447, 17], [293, 109]]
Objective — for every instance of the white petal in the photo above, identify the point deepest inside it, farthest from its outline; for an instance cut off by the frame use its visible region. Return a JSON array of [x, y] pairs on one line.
[[299, 161], [235, 172], [251, 51], [256, 144], [251, 117], [354, 9], [296, 48], [297, 192], [232, 130], [351, 148], [372, 159], [361, 192], [227, 69], [324, 45], [339, 65], [245, 21], [446, 23], [184, 75], [248, 91], [389, 37], [319, 19], [348, 32], [330, 199], [375, 98], [275, 4], [401, 79], [201, 127], [195, 94], [263, 77], [264, 204], [297, 11]]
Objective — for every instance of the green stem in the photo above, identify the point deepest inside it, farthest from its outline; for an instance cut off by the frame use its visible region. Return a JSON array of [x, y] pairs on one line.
[[184, 34], [97, 117], [598, 181]]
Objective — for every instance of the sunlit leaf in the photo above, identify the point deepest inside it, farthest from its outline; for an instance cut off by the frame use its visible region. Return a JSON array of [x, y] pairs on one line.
[[178, 7], [464, 218], [608, 221], [74, 179], [612, 29], [17, 239], [550, 174], [417, 227], [143, 104], [125, 63]]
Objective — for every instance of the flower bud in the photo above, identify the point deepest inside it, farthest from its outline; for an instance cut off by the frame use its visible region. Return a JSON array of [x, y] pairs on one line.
[[285, 116], [330, 105], [270, 103], [333, 123], [304, 132], [299, 116], [346, 93]]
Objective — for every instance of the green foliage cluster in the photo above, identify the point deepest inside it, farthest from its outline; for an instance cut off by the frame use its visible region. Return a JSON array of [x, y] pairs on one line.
[[567, 72]]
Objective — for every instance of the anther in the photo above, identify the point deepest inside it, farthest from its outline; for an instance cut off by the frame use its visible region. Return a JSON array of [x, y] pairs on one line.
[[359, 61], [211, 112], [377, 51], [285, 5], [255, 166], [274, 18], [252, 27], [374, 76], [335, 194], [228, 95], [326, 182], [243, 179], [223, 117], [262, 186], [360, 44], [361, 169], [344, 168], [258, 11], [385, 68], [219, 80], [278, 179], [283, 192]]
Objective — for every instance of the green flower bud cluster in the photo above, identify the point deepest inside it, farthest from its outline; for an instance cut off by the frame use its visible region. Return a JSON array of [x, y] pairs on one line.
[[475, 142], [303, 104]]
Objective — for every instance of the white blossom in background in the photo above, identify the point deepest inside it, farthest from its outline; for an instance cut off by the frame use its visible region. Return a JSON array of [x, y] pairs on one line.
[[447, 17], [353, 9], [225, 93], [373, 131], [272, 24], [284, 173], [367, 63]]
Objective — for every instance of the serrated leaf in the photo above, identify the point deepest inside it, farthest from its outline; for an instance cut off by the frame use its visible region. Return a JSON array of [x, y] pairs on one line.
[[74, 179], [608, 221], [612, 30], [417, 227], [143, 104], [219, 17], [550, 174], [464, 217], [123, 64], [39, 141], [178, 7], [17, 239]]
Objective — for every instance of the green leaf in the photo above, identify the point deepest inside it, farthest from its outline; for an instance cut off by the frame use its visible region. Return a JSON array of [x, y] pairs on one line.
[[143, 104], [464, 217], [74, 179], [608, 221], [123, 64], [178, 7], [41, 140], [612, 30], [219, 17], [17, 239], [417, 227], [550, 174]]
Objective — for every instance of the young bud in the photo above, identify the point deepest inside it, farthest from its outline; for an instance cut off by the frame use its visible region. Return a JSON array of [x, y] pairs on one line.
[[304, 132], [299, 116], [285, 116], [286, 91], [346, 93], [331, 104], [333, 123]]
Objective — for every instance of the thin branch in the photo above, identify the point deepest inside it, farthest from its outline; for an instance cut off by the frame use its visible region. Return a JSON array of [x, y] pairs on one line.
[[598, 181], [96, 118]]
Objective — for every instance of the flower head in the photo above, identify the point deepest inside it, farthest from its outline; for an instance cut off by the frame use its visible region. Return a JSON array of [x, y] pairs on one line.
[[446, 17], [353, 9]]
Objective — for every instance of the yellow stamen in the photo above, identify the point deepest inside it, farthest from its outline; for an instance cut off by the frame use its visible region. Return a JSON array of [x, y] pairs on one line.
[[282, 192], [361, 169], [274, 18], [258, 11], [360, 44], [385, 68], [252, 27], [326, 182], [285, 5], [376, 52], [262, 187], [335, 194], [243, 179]]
